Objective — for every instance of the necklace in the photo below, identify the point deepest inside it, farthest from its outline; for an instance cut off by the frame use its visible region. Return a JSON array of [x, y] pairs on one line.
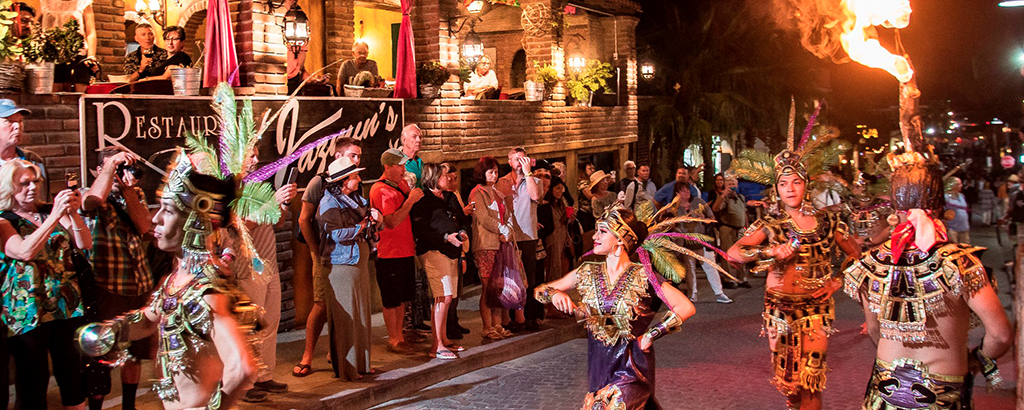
[[34, 216]]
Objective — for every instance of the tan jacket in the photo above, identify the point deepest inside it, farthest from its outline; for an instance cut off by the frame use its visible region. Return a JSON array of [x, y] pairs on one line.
[[487, 224]]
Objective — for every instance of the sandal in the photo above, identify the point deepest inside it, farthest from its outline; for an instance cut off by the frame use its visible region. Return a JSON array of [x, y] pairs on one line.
[[502, 331], [443, 355], [304, 370], [455, 348], [492, 334]]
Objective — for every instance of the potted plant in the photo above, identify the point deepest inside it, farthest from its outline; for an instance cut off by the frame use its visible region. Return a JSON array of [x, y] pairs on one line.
[[542, 82], [593, 77], [12, 74], [45, 49], [430, 75]]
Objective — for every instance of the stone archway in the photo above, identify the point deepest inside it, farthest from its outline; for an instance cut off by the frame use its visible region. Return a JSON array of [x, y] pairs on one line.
[[193, 20]]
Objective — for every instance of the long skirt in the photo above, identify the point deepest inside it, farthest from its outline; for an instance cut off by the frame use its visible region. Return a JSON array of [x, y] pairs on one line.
[[620, 376], [348, 314]]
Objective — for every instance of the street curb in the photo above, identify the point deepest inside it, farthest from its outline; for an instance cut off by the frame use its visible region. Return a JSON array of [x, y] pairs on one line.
[[399, 383]]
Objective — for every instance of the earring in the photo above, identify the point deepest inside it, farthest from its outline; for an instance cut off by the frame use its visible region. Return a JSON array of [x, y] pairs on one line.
[[893, 219]]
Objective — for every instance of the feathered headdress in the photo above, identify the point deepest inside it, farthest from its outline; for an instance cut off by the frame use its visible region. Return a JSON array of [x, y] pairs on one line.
[[216, 187], [655, 245]]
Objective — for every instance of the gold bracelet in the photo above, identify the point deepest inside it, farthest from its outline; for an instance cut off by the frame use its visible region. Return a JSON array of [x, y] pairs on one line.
[[544, 293], [670, 324]]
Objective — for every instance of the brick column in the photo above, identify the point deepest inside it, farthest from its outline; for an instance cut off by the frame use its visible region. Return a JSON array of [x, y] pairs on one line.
[[546, 49], [259, 42], [341, 28], [110, 41]]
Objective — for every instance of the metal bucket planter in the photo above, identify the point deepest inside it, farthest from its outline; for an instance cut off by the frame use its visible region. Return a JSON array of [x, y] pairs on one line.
[[186, 81], [586, 102], [40, 78], [429, 91], [534, 91]]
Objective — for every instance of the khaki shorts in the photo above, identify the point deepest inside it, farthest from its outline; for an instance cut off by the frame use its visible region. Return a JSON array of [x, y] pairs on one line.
[[442, 273], [320, 281]]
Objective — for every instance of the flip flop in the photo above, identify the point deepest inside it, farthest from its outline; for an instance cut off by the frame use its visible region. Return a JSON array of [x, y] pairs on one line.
[[443, 355], [455, 348], [305, 370]]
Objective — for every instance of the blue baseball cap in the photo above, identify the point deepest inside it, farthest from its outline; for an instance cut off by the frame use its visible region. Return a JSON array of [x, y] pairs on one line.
[[8, 108]]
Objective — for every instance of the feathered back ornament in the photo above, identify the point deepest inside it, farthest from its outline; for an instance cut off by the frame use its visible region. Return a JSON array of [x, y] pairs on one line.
[[216, 186], [656, 247]]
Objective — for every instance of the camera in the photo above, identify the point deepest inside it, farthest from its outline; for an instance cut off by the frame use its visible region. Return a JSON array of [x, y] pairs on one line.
[[135, 170]]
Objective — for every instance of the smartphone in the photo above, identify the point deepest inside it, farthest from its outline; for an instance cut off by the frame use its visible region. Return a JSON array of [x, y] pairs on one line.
[[293, 175], [72, 179]]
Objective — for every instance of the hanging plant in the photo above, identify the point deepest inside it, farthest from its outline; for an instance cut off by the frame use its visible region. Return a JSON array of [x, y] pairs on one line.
[[593, 77], [10, 44], [57, 45]]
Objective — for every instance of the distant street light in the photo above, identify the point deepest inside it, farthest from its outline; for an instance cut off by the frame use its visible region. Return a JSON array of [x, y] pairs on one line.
[[1012, 3], [577, 63], [647, 70]]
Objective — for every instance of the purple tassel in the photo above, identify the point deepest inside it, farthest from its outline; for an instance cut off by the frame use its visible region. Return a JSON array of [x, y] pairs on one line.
[[698, 240], [268, 170], [810, 125]]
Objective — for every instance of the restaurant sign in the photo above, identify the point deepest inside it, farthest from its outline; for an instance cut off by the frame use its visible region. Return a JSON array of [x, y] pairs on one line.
[[153, 127]]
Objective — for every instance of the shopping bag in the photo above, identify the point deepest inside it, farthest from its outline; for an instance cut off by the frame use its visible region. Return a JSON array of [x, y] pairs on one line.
[[507, 285]]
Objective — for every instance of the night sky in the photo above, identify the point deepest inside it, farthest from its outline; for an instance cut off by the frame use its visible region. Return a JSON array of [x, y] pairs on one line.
[[965, 51]]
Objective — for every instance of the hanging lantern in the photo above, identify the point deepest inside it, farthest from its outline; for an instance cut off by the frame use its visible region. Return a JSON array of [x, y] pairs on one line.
[[577, 63], [472, 47], [475, 6], [647, 70], [296, 31]]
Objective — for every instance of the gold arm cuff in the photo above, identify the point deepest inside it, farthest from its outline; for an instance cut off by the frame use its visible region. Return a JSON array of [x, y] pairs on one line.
[[544, 293], [670, 324]]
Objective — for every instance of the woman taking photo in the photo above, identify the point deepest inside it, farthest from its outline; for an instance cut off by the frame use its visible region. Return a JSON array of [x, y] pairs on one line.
[[438, 244], [42, 304], [688, 205], [346, 220], [492, 224], [554, 231]]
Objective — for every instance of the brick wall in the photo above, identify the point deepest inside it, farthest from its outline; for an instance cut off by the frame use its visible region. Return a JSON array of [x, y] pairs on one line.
[[340, 23], [465, 130], [259, 42], [110, 41]]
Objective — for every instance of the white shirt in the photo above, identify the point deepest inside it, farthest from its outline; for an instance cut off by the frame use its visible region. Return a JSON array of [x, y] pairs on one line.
[[476, 81]]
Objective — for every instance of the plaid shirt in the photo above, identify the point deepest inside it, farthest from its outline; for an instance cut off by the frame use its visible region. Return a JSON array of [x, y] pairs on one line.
[[118, 257]]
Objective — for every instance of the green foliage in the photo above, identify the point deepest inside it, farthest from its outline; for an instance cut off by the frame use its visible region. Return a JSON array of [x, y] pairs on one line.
[[546, 74], [257, 204], [592, 78], [57, 45], [10, 45], [465, 69], [431, 73]]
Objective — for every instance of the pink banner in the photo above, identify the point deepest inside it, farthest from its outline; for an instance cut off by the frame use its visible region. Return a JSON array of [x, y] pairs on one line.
[[405, 78], [221, 63]]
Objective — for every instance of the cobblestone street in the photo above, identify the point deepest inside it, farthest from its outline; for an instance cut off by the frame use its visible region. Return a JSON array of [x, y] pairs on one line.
[[716, 362]]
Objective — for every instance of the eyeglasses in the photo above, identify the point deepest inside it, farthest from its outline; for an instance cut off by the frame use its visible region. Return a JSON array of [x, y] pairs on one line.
[[172, 38]]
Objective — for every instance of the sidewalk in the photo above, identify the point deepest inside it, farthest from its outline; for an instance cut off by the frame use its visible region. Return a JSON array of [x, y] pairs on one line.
[[398, 375]]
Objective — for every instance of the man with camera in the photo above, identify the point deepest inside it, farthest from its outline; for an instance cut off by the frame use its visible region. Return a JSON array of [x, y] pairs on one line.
[[115, 211], [526, 195]]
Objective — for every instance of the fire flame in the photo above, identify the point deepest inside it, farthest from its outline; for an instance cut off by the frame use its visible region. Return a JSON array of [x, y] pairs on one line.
[[860, 38]]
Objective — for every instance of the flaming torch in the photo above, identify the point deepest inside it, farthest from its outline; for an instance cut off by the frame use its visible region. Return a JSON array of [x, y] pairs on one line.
[[859, 38]]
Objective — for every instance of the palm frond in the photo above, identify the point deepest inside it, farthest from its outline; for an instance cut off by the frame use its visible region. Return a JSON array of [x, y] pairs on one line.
[[226, 108], [645, 212], [755, 166], [207, 163], [818, 161], [665, 263], [257, 204], [669, 224]]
